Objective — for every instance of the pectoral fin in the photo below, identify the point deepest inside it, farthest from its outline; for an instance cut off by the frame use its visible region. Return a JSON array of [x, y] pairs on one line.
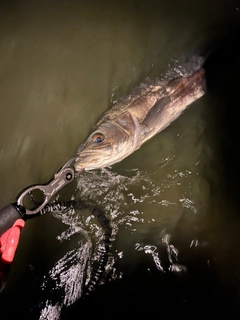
[[154, 115]]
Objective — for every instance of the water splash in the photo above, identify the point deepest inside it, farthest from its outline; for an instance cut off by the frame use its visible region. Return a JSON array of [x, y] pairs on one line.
[[68, 276], [112, 191], [152, 250], [114, 195], [117, 194], [66, 281], [172, 254], [184, 66]]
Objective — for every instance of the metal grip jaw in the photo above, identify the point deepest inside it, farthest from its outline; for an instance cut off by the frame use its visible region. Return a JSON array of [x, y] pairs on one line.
[[62, 178]]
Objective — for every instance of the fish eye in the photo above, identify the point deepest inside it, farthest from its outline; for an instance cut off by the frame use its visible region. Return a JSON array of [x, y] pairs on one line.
[[97, 137]]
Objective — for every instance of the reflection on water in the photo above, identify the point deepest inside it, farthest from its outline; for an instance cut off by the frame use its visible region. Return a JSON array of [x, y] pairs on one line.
[[173, 204]]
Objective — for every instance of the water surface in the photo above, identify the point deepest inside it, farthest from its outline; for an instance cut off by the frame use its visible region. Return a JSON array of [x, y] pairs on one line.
[[173, 204]]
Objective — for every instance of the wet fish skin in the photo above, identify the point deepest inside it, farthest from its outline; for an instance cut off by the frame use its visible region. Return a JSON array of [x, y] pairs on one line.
[[146, 111]]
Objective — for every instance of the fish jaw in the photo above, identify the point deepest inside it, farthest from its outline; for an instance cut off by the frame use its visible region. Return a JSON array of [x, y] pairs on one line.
[[96, 160], [90, 160]]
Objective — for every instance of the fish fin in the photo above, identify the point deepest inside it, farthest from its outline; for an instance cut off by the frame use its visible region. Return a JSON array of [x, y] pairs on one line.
[[154, 115]]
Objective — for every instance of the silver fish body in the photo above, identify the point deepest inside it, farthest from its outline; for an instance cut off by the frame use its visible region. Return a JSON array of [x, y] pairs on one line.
[[146, 111]]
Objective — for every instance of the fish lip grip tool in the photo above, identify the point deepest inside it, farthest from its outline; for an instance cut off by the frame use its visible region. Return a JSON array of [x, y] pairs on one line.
[[13, 215], [61, 179], [64, 176]]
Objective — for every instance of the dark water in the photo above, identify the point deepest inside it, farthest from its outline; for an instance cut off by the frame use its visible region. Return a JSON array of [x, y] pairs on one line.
[[173, 204]]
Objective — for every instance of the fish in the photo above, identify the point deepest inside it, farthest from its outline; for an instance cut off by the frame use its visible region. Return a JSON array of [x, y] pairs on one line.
[[130, 122]]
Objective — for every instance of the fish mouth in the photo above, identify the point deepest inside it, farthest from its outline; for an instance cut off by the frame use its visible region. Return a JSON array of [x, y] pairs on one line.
[[78, 167], [81, 162], [89, 160], [90, 157]]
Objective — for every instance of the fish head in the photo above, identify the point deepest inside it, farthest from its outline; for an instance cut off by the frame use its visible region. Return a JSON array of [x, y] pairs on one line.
[[106, 145]]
